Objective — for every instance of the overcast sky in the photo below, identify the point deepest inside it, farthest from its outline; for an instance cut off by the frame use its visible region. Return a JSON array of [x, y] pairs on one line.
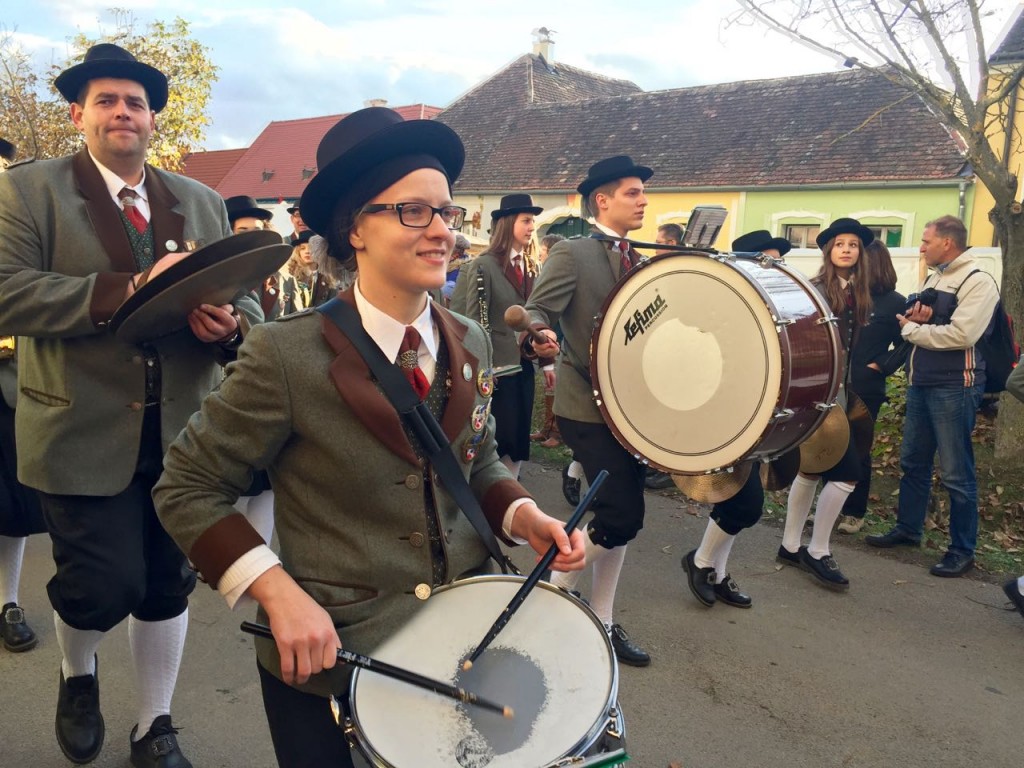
[[283, 60]]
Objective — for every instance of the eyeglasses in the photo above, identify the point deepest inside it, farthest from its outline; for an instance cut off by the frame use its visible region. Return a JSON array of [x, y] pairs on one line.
[[419, 215]]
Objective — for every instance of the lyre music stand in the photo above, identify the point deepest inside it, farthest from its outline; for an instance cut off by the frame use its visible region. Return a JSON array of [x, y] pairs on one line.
[[704, 225]]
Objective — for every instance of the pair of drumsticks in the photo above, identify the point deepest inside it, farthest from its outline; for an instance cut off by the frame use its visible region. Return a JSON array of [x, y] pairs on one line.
[[438, 686]]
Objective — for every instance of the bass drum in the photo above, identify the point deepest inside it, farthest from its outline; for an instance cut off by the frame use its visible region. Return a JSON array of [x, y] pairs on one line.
[[701, 362]]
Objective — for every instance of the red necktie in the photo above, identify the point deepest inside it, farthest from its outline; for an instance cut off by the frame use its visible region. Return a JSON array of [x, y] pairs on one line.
[[409, 361], [127, 198], [517, 262], [625, 263]]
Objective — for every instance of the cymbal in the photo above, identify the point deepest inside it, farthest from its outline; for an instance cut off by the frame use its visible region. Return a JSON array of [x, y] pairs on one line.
[[714, 486], [862, 424], [780, 471], [215, 274], [827, 444]]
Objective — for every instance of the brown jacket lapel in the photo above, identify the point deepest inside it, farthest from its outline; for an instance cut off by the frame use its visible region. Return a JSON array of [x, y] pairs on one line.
[[168, 225], [103, 213], [460, 399]]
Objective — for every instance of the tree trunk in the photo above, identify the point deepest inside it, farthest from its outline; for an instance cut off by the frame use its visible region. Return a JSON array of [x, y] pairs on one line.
[[1009, 227]]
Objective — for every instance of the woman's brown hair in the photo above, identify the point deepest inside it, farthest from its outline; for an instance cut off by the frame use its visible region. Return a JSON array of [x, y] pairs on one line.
[[880, 271]]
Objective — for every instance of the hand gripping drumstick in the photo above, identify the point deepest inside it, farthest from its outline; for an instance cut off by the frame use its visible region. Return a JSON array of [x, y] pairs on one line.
[[518, 319], [397, 673], [534, 577]]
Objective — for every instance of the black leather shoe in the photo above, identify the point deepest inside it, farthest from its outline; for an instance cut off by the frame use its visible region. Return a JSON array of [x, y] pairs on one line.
[[626, 650], [658, 481], [729, 593], [826, 571], [159, 747], [1014, 595], [701, 580], [894, 538], [79, 723], [786, 557], [953, 564], [570, 487], [18, 636]]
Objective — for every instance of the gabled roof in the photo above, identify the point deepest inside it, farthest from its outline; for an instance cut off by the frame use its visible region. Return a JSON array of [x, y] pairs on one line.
[[848, 126], [282, 159], [1011, 48], [211, 167]]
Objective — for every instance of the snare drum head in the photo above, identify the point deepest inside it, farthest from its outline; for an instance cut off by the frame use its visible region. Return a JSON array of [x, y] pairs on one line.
[[687, 362], [552, 663]]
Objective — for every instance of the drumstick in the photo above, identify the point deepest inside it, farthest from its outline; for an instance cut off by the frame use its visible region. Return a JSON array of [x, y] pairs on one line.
[[397, 673], [534, 577], [518, 319]]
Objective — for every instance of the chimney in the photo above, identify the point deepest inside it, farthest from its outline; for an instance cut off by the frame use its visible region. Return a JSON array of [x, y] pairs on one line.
[[375, 103], [543, 44]]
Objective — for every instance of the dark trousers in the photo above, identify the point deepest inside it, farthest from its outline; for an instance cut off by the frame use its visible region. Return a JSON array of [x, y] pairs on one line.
[[113, 557], [742, 510], [512, 406], [857, 502], [20, 514], [619, 506], [302, 727]]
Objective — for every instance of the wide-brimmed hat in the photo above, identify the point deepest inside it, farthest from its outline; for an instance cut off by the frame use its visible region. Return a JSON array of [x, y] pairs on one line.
[[292, 208], [512, 204], [845, 226], [761, 240], [302, 237], [242, 206], [109, 60], [7, 149], [610, 169], [365, 141]]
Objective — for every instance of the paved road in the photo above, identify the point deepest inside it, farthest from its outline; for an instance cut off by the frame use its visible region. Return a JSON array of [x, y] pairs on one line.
[[905, 670]]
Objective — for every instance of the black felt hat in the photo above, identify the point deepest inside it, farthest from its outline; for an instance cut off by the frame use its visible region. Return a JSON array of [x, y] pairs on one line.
[[368, 151], [610, 169], [109, 60], [292, 208], [845, 226], [512, 204], [241, 206], [7, 150], [761, 240], [302, 237]]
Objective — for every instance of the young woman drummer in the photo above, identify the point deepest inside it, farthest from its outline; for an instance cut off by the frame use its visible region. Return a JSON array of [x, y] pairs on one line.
[[848, 295], [498, 278], [365, 531]]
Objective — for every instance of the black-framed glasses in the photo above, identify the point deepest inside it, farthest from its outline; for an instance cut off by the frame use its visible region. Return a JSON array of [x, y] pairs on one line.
[[419, 215]]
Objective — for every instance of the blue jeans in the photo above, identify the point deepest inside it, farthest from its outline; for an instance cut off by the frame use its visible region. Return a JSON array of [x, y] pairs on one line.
[[940, 418]]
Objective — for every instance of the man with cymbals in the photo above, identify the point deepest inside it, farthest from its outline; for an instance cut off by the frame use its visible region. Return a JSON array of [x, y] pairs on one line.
[[576, 278], [80, 234]]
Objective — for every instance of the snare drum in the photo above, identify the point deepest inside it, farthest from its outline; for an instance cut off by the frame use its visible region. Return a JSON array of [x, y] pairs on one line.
[[552, 663], [700, 362]]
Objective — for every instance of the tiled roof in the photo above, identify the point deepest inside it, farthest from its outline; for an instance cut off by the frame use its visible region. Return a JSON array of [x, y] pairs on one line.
[[848, 126], [1011, 48], [211, 167], [282, 159]]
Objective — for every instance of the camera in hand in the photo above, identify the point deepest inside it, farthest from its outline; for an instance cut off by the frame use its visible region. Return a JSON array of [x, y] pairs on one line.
[[927, 297]]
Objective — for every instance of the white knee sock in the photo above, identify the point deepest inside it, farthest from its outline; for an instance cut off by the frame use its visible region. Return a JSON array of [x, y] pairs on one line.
[[513, 466], [707, 553], [569, 579], [259, 511], [12, 552], [606, 579], [722, 559], [798, 507], [830, 505], [78, 647], [1020, 585], [157, 647], [575, 470]]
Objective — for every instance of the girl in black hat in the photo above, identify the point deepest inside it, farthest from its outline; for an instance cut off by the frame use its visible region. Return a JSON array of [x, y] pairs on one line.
[[498, 278], [366, 532], [841, 281]]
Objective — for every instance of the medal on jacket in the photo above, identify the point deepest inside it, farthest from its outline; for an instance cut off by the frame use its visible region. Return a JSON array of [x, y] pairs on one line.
[[480, 414], [471, 447], [485, 382]]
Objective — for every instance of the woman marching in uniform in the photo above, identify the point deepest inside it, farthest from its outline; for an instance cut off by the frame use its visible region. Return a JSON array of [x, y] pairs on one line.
[[498, 278], [847, 294], [365, 530]]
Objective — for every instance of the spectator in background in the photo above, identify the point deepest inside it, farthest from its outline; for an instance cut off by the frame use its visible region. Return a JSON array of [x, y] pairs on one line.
[[298, 225], [946, 378], [878, 353], [245, 215], [668, 234], [458, 258]]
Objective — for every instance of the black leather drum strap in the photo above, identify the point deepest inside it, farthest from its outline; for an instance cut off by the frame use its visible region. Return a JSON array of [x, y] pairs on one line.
[[419, 419]]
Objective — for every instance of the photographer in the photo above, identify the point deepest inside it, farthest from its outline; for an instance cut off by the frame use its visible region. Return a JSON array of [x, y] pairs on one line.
[[946, 380]]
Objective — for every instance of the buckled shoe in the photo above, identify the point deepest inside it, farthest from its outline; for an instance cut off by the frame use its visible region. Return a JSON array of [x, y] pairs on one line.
[[626, 650], [700, 580], [79, 723], [729, 593], [17, 634], [1012, 592], [786, 557], [159, 747], [825, 570]]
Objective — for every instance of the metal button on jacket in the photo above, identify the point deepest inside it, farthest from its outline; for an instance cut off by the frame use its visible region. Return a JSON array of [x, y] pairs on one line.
[[412, 482], [422, 591], [416, 539]]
